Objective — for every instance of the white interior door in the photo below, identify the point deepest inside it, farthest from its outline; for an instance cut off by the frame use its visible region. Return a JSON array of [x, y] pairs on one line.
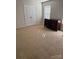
[[47, 11], [30, 15]]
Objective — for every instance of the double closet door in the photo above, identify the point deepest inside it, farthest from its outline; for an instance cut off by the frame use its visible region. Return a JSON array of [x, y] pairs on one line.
[[29, 15]]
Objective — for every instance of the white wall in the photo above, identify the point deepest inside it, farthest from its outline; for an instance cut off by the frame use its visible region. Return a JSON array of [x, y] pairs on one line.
[[56, 8], [20, 11], [19, 14]]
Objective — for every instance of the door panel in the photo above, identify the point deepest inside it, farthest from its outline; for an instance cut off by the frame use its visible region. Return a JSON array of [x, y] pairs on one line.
[[47, 11], [30, 15]]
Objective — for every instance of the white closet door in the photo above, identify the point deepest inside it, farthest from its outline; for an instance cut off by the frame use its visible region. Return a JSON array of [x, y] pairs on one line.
[[30, 15], [47, 11]]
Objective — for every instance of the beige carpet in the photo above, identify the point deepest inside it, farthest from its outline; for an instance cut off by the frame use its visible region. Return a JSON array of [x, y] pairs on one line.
[[37, 42]]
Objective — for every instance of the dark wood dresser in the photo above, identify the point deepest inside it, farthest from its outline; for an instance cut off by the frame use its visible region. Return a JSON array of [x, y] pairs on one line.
[[53, 24]]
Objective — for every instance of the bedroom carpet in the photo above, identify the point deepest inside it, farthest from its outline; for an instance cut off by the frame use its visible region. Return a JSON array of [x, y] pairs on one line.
[[37, 42]]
